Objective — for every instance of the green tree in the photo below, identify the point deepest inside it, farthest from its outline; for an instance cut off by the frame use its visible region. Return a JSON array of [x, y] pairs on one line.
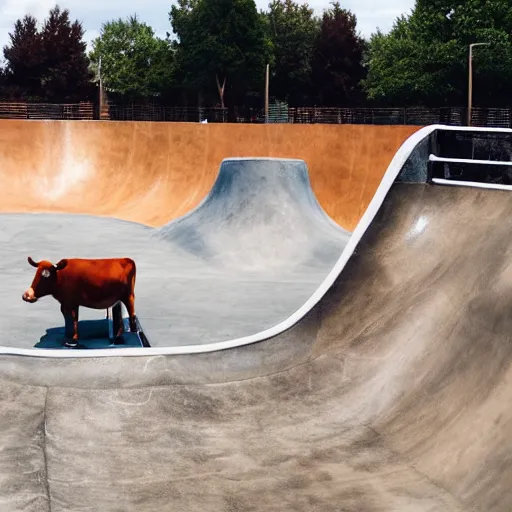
[[134, 62], [24, 58], [337, 66], [220, 42], [391, 63], [65, 68], [48, 64], [292, 28], [424, 58]]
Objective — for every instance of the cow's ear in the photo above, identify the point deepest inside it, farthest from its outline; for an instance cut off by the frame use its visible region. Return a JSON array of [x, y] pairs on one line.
[[32, 262], [62, 264]]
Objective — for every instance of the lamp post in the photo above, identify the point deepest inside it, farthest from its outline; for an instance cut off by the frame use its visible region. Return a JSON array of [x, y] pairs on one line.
[[267, 79], [101, 89], [470, 78]]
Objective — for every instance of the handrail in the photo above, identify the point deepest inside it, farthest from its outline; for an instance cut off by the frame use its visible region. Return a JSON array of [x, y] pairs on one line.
[[434, 158]]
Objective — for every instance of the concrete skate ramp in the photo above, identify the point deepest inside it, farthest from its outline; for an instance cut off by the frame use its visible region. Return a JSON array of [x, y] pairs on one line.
[[152, 173], [389, 391]]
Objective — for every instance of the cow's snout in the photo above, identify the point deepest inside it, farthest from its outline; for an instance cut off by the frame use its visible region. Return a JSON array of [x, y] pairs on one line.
[[29, 296]]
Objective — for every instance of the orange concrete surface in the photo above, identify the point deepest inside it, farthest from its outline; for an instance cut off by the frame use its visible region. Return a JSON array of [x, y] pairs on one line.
[[155, 172]]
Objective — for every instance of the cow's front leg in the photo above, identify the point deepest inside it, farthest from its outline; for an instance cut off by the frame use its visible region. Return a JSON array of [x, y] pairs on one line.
[[74, 317], [74, 314], [68, 321]]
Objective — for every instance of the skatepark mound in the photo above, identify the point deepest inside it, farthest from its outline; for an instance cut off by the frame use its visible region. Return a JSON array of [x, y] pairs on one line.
[[261, 214]]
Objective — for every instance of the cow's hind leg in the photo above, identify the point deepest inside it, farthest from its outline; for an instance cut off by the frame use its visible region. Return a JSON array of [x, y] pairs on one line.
[[129, 302], [117, 321]]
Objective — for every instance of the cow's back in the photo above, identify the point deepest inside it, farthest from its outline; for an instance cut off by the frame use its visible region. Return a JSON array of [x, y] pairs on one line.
[[95, 282], [107, 266]]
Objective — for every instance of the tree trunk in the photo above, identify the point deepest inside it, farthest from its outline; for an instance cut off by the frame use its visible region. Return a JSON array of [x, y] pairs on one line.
[[221, 89]]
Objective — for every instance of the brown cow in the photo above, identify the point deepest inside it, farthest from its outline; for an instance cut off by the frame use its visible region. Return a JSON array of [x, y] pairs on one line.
[[92, 283]]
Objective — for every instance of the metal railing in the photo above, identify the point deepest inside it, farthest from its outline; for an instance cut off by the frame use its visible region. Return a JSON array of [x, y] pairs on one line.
[[281, 113], [149, 112], [278, 113], [400, 116]]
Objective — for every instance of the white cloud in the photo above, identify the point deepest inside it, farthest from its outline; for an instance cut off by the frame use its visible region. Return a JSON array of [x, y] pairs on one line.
[[13, 9], [370, 13], [155, 12]]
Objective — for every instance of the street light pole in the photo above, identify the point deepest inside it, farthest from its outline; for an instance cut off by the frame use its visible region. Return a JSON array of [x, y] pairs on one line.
[[470, 78], [267, 79], [101, 91]]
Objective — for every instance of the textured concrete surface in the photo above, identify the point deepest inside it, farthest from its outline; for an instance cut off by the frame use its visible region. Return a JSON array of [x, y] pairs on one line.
[[391, 394], [242, 262], [155, 172]]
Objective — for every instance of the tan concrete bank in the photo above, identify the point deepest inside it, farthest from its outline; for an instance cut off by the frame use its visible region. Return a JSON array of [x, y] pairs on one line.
[[154, 172]]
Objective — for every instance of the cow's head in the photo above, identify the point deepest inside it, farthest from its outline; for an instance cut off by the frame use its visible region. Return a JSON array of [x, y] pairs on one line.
[[44, 280]]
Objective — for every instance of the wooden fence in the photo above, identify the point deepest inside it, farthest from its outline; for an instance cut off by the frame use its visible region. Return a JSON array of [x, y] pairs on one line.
[[55, 111]]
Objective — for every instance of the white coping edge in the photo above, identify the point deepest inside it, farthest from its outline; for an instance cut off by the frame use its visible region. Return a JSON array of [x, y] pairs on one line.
[[475, 184], [434, 158], [387, 181]]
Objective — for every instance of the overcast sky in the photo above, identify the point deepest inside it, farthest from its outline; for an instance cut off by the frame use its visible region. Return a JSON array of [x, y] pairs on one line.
[[92, 13]]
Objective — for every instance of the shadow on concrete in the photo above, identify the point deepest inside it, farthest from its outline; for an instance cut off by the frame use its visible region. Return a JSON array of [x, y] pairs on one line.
[[93, 334]]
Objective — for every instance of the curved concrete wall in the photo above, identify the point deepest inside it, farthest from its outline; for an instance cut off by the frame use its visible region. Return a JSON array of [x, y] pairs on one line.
[[155, 172]]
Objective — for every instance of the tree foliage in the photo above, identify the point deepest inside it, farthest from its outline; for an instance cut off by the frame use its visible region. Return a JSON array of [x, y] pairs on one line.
[[424, 58], [292, 28], [337, 58], [317, 60], [24, 58], [221, 48], [65, 69], [220, 42], [134, 62], [50, 63]]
